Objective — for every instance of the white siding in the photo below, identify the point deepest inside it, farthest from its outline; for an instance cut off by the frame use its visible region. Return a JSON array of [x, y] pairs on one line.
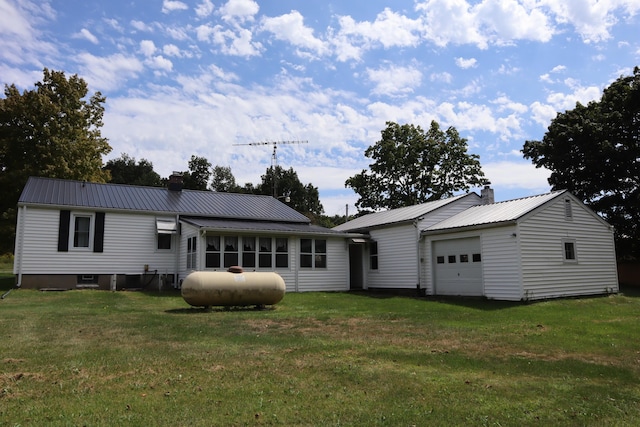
[[333, 278], [501, 263], [545, 274], [397, 258], [129, 245]]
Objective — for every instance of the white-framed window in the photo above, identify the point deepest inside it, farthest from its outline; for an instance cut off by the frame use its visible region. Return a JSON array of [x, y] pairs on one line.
[[313, 253], [164, 242], [373, 255], [81, 235], [165, 229], [192, 252], [569, 252], [246, 251]]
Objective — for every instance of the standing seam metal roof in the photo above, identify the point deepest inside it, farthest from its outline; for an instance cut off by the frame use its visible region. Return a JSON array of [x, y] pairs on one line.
[[510, 210], [398, 215], [78, 194]]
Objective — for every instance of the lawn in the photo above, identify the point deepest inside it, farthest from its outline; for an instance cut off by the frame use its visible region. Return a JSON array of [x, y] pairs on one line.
[[99, 358]]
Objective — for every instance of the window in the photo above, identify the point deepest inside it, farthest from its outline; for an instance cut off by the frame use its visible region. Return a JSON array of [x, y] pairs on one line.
[[476, 257], [81, 231], [249, 252], [452, 259], [440, 259], [569, 247], [464, 258], [313, 253], [164, 241], [230, 251], [192, 252], [282, 252], [568, 213], [373, 255], [212, 252], [165, 228], [265, 252]]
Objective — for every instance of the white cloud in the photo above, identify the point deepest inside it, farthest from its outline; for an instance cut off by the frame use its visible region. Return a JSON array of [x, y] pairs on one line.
[[542, 113], [558, 69], [239, 10], [86, 35], [487, 22], [591, 19], [204, 9], [141, 26], [290, 27], [520, 175], [389, 29], [443, 77], [466, 63], [235, 43], [159, 62], [109, 72], [147, 47], [394, 80], [171, 5]]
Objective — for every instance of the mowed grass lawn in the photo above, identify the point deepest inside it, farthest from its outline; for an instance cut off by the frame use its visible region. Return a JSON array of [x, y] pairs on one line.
[[99, 358]]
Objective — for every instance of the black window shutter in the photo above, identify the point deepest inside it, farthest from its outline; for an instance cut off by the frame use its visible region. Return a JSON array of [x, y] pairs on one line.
[[63, 231], [98, 239]]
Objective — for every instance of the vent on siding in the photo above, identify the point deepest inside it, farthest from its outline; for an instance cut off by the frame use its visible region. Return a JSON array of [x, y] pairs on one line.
[[568, 214]]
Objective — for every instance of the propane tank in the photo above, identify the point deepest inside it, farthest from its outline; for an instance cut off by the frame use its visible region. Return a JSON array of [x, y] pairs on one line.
[[224, 288]]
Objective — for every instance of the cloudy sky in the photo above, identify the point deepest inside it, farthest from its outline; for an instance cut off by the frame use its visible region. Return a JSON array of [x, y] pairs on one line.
[[202, 77]]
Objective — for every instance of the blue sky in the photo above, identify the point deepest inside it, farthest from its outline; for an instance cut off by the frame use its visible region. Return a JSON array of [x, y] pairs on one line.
[[199, 77]]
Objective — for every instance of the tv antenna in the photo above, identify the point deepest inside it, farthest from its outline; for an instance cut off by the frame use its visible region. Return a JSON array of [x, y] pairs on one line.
[[274, 158]]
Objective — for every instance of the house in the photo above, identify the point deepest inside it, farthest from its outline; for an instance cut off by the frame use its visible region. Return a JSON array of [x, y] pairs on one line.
[[538, 247], [73, 234], [389, 257]]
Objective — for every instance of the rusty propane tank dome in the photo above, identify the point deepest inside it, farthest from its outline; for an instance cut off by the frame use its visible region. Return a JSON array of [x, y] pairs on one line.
[[224, 288]]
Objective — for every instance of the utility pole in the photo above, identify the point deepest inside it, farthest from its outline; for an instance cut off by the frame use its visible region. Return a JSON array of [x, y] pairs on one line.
[[274, 160]]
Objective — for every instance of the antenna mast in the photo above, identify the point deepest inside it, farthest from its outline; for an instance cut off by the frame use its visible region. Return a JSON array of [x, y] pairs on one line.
[[274, 159]]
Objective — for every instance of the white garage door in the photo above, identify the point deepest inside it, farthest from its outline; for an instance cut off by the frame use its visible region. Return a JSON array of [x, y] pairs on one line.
[[458, 267]]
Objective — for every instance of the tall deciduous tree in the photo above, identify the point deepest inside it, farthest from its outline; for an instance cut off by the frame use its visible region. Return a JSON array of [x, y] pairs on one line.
[[304, 199], [125, 170], [197, 178], [411, 166], [51, 131], [594, 152], [223, 180]]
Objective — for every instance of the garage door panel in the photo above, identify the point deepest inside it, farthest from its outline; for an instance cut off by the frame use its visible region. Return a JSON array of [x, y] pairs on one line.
[[458, 267]]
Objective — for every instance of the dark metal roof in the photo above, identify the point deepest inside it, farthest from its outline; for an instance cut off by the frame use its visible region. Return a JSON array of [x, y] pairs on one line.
[[261, 226], [78, 194]]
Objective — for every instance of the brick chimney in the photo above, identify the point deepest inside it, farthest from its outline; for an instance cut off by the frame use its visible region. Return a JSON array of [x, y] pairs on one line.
[[486, 194], [175, 181]]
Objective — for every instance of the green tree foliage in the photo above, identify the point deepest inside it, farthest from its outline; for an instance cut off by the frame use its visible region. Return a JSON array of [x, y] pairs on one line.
[[125, 170], [304, 199], [411, 166], [197, 178], [594, 152], [223, 180], [50, 131]]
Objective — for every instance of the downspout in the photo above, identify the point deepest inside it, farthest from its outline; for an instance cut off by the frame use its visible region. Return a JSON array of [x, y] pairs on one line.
[[21, 245], [418, 269], [19, 248], [176, 275]]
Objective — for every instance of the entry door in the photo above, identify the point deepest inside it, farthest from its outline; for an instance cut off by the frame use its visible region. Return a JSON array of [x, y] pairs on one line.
[[355, 266], [458, 267]]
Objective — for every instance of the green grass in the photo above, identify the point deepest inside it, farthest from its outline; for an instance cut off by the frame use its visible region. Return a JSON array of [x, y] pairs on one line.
[[99, 358]]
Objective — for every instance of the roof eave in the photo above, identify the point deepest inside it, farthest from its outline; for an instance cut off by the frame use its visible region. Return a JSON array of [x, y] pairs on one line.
[[469, 227]]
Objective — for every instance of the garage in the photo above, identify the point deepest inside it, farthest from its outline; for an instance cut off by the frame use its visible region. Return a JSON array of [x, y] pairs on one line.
[[458, 267]]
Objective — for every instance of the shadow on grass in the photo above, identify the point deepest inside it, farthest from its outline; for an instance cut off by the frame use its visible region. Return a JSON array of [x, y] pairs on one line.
[[200, 310]]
